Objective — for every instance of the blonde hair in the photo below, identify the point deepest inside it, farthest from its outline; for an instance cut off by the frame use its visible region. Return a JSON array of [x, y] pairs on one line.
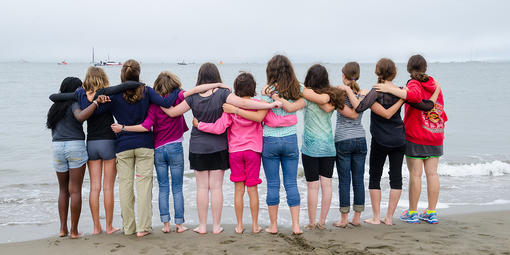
[[95, 79], [166, 83]]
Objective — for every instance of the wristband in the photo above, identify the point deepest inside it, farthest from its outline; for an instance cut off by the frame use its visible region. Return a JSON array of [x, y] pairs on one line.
[[95, 102], [123, 128], [272, 94], [237, 110]]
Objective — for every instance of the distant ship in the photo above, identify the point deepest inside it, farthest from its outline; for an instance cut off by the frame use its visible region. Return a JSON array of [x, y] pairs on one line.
[[108, 63], [182, 63], [62, 63], [104, 63]]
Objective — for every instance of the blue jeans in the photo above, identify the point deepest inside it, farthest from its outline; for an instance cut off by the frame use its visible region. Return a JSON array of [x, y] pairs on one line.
[[282, 150], [350, 160], [170, 155]]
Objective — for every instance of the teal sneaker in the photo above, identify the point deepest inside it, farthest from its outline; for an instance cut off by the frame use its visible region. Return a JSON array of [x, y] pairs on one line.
[[430, 218], [409, 218]]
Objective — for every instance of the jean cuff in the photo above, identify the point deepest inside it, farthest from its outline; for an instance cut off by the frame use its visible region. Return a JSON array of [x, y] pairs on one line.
[[179, 220], [165, 218], [345, 209], [358, 208]]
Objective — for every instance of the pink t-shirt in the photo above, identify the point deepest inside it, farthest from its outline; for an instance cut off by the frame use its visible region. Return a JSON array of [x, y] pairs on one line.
[[245, 134], [166, 129]]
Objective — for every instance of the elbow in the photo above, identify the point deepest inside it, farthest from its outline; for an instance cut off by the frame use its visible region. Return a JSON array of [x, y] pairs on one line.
[[387, 116]]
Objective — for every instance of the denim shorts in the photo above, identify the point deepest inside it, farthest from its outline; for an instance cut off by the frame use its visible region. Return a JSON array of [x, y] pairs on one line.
[[69, 154], [101, 149]]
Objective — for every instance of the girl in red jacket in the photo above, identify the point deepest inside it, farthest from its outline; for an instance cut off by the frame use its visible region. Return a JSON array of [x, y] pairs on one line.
[[424, 136]]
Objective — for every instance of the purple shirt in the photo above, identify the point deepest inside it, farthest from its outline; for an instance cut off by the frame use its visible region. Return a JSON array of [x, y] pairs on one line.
[[166, 129]]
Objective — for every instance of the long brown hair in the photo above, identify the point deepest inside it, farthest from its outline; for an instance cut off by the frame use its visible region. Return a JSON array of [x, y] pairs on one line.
[[417, 68], [95, 79], [317, 78], [385, 70], [166, 83], [131, 72], [208, 73], [351, 72], [281, 76]]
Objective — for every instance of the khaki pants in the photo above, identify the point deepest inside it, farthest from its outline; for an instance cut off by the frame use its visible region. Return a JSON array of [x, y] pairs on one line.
[[143, 160]]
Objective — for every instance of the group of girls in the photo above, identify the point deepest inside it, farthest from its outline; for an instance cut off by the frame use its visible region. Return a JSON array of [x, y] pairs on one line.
[[235, 131]]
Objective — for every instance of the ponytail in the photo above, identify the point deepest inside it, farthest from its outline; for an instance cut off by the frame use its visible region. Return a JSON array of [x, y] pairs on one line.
[[417, 68], [421, 77], [354, 86], [131, 72], [351, 72]]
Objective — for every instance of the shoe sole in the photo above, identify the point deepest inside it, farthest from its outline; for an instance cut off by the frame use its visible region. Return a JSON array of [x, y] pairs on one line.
[[428, 221], [411, 221]]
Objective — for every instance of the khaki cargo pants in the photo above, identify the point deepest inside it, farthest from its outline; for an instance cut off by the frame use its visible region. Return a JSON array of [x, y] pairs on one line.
[[140, 160]]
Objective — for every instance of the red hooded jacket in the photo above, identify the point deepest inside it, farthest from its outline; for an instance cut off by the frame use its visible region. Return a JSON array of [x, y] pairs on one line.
[[425, 128]]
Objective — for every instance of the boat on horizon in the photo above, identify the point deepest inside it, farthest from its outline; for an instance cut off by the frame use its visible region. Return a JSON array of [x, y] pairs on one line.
[[107, 62], [182, 63], [62, 63]]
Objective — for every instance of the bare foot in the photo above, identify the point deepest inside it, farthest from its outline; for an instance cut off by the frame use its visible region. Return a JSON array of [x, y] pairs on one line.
[[142, 234], [373, 221], [310, 226], [272, 230], [388, 222], [321, 225], [356, 222], [181, 228], [166, 227], [97, 231], [201, 230], [239, 229], [111, 230], [75, 236], [63, 233], [340, 224], [296, 230], [217, 230], [256, 229]]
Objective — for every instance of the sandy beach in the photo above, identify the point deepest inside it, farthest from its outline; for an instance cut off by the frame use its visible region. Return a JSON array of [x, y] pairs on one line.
[[474, 233]]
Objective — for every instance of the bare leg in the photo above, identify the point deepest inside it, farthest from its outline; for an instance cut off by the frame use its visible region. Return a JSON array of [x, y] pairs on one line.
[[392, 206], [375, 199], [95, 173], [415, 172], [253, 193], [216, 188], [239, 204], [432, 182], [63, 201], [356, 219], [273, 219], [110, 172], [75, 184], [343, 222], [327, 194], [202, 178], [294, 213], [313, 197]]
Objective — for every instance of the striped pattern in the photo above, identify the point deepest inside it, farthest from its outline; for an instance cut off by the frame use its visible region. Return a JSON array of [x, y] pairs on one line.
[[347, 128]]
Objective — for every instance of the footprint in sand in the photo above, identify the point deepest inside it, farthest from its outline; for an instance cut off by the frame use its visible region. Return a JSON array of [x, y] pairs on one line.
[[227, 242]]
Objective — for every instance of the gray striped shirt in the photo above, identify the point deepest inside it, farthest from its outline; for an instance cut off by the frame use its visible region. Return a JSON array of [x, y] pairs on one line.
[[347, 128]]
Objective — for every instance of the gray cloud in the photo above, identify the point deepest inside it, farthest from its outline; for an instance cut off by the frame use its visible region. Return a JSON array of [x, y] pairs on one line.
[[252, 31]]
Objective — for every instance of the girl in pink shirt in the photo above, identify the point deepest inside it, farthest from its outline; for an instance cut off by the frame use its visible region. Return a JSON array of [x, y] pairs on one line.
[[245, 146]]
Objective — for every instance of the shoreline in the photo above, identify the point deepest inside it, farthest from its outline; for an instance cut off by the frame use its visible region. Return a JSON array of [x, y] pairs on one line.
[[471, 233]]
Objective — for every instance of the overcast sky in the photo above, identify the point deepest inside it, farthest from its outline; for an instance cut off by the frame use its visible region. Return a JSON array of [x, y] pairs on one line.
[[252, 31]]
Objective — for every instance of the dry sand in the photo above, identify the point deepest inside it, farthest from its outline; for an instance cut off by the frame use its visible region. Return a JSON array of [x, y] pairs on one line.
[[476, 233]]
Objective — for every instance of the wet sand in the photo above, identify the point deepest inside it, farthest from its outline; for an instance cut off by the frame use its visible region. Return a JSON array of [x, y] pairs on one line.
[[474, 233]]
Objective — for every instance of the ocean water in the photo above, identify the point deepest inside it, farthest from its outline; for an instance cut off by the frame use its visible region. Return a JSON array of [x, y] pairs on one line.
[[474, 172]]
